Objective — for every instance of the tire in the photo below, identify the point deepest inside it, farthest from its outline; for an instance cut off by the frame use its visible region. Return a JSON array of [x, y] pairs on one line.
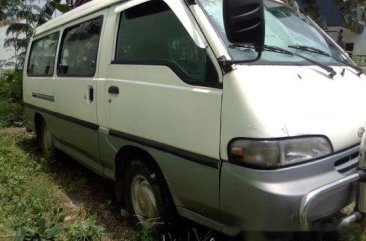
[[147, 198], [46, 142]]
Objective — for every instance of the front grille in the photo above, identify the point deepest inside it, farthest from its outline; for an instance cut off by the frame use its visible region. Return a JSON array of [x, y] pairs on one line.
[[347, 164]]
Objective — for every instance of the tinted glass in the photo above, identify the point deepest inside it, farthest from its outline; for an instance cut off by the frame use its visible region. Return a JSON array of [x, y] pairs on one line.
[[151, 33], [42, 56], [79, 49]]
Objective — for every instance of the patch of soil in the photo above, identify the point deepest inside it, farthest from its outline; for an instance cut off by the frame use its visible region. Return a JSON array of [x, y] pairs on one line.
[[83, 188], [13, 130]]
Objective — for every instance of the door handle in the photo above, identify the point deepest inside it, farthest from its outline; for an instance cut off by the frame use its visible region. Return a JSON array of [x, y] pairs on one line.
[[113, 90], [91, 94]]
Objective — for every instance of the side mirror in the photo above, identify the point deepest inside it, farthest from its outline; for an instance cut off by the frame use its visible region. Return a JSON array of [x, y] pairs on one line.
[[244, 22]]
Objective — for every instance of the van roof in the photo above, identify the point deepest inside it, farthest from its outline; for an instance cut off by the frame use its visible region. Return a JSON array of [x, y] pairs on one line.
[[77, 13]]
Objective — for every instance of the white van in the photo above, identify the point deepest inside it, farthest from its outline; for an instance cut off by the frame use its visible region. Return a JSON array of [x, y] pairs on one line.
[[239, 115]]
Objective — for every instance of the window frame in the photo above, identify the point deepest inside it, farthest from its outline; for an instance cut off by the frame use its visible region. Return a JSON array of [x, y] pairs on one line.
[[167, 63], [64, 32], [54, 58]]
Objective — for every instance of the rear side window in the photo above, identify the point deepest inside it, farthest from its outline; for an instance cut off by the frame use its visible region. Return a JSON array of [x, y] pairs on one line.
[[151, 34], [42, 56], [79, 49]]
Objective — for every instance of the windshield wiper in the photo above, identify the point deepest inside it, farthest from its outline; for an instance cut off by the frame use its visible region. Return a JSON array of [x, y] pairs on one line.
[[276, 49], [318, 51], [309, 49], [265, 48], [355, 67]]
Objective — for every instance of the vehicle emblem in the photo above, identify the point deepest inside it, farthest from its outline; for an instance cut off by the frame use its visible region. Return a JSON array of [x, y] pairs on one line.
[[361, 131]]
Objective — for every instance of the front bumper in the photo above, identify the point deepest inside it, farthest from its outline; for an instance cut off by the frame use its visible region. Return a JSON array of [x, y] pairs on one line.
[[297, 198], [319, 192]]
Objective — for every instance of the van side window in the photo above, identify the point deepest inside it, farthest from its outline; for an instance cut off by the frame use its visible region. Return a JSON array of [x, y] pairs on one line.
[[151, 34], [42, 56], [79, 49]]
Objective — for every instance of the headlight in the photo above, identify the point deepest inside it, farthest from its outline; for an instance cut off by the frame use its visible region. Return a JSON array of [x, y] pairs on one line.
[[276, 153]]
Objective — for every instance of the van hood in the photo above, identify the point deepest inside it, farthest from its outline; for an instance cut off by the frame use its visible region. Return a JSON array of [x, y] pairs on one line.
[[295, 101]]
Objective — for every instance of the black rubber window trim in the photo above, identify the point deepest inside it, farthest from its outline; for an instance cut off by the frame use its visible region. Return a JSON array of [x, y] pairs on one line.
[[54, 57], [101, 17], [170, 64]]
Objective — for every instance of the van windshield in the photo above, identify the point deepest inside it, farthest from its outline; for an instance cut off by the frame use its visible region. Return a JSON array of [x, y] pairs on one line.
[[285, 28]]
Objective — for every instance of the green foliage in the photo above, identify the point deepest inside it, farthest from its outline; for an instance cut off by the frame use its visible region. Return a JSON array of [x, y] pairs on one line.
[[76, 3], [311, 8], [53, 5], [86, 230], [22, 17], [7, 9], [45, 229], [31, 15], [351, 14], [15, 28], [360, 60], [354, 232], [11, 86], [48, 10], [145, 235], [31, 205], [11, 114], [63, 8], [11, 111], [24, 195]]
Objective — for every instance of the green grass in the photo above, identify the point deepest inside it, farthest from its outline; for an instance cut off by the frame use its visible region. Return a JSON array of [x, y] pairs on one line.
[[11, 114], [39, 201], [359, 60], [11, 111], [33, 201]]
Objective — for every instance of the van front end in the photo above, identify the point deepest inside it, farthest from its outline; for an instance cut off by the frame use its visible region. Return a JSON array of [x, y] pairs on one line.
[[292, 120], [290, 144], [290, 147], [304, 197]]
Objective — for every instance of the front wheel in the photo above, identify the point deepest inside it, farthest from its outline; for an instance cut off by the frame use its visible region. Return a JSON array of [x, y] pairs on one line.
[[147, 198]]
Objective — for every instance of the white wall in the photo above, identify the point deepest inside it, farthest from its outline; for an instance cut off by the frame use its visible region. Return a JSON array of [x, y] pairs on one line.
[[360, 43], [5, 53], [350, 37]]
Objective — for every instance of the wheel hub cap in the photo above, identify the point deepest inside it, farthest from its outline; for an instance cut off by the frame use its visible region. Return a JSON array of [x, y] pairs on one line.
[[144, 202]]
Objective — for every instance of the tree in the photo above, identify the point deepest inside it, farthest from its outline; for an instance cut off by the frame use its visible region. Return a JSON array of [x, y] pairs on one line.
[[311, 8], [48, 10], [353, 13], [52, 5], [6, 6], [353, 16], [76, 3], [22, 16]]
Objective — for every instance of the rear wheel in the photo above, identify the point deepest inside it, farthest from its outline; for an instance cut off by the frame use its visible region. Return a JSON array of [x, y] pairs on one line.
[[146, 197], [46, 142]]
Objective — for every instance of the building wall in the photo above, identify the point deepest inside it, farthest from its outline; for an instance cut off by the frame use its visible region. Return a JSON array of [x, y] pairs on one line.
[[359, 40], [5, 53]]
